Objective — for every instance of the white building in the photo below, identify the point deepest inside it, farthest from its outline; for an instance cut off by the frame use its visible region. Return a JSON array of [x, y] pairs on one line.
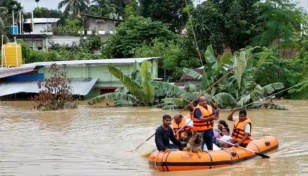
[[41, 25]]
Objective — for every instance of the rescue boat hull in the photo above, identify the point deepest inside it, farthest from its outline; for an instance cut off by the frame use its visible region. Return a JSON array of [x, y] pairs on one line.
[[181, 160]]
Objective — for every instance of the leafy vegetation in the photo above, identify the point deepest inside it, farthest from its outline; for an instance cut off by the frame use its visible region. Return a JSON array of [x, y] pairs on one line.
[[237, 89], [74, 7], [170, 12], [55, 92], [174, 59], [131, 34], [140, 89]]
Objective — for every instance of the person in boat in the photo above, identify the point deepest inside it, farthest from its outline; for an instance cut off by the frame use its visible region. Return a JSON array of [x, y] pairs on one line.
[[221, 125], [225, 137], [164, 134], [179, 125], [203, 121], [241, 134], [217, 132]]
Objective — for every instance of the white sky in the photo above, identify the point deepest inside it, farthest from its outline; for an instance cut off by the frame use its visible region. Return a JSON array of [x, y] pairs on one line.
[[29, 5]]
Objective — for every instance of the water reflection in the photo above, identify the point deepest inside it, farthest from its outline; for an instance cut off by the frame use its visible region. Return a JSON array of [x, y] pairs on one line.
[[101, 141]]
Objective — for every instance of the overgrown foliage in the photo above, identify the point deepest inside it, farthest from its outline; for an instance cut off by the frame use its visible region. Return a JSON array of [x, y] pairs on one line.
[[69, 27], [237, 88], [55, 92], [173, 57], [131, 34], [169, 12], [224, 24], [73, 8]]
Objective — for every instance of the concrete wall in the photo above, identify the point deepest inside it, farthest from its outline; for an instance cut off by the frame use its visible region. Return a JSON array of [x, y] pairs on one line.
[[100, 26], [63, 40]]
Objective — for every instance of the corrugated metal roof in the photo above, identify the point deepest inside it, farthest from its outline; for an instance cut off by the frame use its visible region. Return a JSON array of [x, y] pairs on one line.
[[79, 87], [91, 62], [42, 20], [6, 72]]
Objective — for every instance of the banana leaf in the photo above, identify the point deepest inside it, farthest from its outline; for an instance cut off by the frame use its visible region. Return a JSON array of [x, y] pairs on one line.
[[239, 67], [223, 99], [136, 75], [192, 73], [262, 59], [226, 59], [167, 89], [129, 83], [144, 69], [209, 55], [206, 81], [123, 90], [115, 96], [149, 92], [243, 100], [270, 88]]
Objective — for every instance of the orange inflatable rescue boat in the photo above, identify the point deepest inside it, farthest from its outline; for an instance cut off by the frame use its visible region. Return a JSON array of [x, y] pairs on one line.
[[180, 160]]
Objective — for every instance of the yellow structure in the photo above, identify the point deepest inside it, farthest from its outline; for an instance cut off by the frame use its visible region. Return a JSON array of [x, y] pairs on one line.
[[11, 55]]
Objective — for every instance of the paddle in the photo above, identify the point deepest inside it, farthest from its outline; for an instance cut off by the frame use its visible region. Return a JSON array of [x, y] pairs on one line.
[[259, 154]]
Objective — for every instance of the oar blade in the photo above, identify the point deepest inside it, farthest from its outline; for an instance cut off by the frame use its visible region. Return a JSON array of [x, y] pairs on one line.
[[262, 155]]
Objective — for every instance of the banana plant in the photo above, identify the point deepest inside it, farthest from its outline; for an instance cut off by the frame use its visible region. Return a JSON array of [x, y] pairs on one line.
[[139, 89], [237, 89]]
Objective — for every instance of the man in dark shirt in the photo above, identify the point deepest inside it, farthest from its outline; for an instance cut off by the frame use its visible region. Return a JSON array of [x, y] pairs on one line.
[[164, 134]]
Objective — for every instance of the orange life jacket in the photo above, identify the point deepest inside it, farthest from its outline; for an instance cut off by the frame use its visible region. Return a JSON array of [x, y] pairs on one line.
[[203, 126], [176, 127], [239, 131]]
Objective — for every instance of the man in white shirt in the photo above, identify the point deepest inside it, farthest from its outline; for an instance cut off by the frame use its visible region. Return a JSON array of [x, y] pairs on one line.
[[241, 134]]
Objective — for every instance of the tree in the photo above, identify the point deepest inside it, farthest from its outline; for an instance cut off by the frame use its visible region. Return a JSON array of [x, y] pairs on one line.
[[174, 57], [167, 11], [131, 34], [74, 7], [42, 12], [224, 24], [279, 24], [55, 92], [11, 5], [37, 1]]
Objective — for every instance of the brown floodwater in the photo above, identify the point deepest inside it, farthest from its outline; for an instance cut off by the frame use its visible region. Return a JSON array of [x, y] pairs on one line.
[[101, 141]]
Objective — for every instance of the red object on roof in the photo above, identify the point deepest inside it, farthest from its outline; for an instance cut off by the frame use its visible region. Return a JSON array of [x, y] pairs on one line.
[[6, 72]]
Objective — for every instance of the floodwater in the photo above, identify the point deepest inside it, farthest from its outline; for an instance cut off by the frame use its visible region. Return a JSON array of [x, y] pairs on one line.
[[101, 141]]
